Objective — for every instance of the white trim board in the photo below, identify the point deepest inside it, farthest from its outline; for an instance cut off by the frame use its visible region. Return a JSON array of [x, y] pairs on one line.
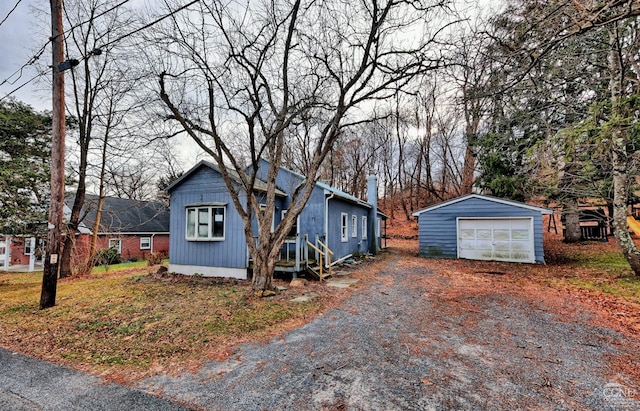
[[512, 203], [205, 271]]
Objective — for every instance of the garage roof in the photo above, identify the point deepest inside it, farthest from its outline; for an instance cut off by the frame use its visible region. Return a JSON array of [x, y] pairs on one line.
[[541, 210]]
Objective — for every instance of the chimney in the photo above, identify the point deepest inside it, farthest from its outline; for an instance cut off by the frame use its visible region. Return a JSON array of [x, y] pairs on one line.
[[372, 198]]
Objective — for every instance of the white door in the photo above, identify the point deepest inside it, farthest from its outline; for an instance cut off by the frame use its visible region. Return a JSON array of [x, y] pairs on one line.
[[499, 239]]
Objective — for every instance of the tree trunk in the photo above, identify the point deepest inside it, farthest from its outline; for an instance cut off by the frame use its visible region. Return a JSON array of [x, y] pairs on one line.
[[572, 232], [468, 168], [262, 275], [619, 161], [620, 230], [264, 264]]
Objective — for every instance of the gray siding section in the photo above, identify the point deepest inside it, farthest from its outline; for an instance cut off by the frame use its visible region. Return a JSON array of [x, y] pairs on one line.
[[353, 244], [312, 217], [437, 228], [205, 186]]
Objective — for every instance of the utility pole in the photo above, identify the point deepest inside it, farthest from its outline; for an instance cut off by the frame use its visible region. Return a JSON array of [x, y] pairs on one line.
[[56, 208]]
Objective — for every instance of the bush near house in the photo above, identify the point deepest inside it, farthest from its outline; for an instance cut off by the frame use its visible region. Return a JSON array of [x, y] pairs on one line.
[[108, 256]]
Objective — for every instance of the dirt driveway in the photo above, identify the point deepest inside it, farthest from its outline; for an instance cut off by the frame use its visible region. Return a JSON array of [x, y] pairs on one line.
[[417, 339]]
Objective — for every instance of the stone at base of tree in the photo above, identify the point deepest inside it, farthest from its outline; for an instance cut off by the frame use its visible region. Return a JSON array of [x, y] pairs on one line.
[[306, 298], [281, 288], [162, 270], [298, 282], [265, 293]]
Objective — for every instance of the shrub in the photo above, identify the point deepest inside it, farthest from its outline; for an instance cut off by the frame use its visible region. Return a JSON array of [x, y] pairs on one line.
[[108, 256], [155, 258]]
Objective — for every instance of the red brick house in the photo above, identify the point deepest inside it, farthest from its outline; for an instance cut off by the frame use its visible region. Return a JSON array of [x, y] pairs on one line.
[[135, 228]]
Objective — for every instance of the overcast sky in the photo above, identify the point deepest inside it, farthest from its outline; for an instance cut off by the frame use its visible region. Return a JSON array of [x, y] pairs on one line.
[[21, 35]]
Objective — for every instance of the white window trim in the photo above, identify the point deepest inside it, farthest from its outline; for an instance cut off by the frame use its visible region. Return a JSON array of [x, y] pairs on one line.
[[364, 227], [378, 227], [148, 247], [344, 227], [209, 236], [354, 226], [119, 247]]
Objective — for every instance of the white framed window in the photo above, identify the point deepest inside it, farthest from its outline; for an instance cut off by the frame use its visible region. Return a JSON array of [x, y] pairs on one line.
[[364, 227], [27, 246], [378, 227], [206, 223], [344, 228], [354, 226], [116, 243], [145, 243]]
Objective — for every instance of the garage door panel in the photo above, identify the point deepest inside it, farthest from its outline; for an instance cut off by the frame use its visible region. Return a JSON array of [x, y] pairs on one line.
[[502, 246], [519, 246], [484, 233], [484, 245], [467, 234], [502, 239], [520, 257], [501, 234], [520, 234], [467, 245]]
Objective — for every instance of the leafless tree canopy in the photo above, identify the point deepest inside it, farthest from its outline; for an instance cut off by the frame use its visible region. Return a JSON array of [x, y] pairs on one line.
[[242, 79]]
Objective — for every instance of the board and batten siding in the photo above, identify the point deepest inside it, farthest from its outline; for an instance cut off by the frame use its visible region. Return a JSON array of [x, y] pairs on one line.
[[312, 216], [437, 228], [204, 187], [353, 244]]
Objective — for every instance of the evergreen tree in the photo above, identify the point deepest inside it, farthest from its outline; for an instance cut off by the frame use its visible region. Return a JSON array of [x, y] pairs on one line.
[[25, 149]]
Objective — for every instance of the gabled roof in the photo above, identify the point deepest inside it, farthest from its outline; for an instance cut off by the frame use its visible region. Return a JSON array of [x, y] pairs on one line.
[[121, 215], [258, 185], [341, 194], [326, 187], [519, 204]]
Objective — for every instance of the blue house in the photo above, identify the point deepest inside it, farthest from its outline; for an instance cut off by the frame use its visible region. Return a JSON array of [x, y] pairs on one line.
[[207, 233], [480, 227]]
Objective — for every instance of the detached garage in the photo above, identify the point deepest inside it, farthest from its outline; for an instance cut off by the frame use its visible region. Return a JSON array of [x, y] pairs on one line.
[[479, 227]]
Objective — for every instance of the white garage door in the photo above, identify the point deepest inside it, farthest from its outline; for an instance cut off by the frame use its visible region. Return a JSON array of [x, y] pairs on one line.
[[502, 239]]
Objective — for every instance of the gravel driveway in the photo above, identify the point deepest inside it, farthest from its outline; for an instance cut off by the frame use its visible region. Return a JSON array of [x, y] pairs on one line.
[[415, 339]]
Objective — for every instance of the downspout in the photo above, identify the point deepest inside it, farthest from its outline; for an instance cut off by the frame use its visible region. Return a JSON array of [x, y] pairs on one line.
[[372, 198], [152, 235], [326, 222]]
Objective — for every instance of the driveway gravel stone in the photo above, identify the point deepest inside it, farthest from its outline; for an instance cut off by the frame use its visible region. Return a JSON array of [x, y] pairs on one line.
[[412, 339]]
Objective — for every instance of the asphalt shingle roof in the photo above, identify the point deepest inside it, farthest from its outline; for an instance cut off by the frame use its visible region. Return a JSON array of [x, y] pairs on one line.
[[121, 215]]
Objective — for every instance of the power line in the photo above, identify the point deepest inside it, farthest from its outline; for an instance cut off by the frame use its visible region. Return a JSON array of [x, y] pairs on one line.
[[95, 51], [122, 3], [146, 26], [22, 85], [31, 61], [10, 11], [38, 54]]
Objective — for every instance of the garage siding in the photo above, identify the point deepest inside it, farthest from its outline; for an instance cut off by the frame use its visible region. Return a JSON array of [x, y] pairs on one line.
[[437, 228]]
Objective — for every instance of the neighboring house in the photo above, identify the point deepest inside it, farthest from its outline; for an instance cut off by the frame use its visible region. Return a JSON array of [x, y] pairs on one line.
[[479, 227], [135, 228], [23, 249], [207, 234]]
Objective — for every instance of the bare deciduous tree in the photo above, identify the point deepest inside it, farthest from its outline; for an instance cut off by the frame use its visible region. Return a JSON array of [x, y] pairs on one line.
[[240, 78]]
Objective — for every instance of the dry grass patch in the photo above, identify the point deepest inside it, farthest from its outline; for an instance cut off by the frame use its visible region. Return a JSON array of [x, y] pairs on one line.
[[126, 325]]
